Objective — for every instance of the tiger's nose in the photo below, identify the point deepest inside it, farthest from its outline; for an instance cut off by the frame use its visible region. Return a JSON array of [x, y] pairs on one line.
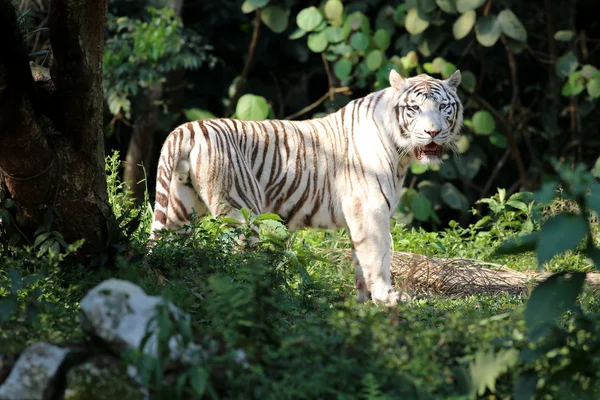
[[432, 132]]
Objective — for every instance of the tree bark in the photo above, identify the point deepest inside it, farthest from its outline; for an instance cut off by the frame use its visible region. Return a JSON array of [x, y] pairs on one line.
[[51, 138], [141, 143], [139, 152]]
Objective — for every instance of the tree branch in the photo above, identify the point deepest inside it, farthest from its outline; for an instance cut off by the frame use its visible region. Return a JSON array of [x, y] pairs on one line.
[[329, 77], [330, 92], [512, 143], [242, 81]]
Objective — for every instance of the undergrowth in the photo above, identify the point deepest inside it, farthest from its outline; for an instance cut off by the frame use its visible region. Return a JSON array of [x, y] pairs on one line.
[[292, 310]]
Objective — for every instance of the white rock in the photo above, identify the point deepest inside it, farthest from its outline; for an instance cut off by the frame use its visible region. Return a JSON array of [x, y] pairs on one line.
[[33, 373], [121, 313]]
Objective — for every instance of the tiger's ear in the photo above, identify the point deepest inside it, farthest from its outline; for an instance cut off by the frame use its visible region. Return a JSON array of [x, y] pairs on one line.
[[454, 80], [396, 80]]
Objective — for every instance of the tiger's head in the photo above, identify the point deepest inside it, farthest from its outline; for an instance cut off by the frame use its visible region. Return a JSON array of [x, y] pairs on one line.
[[429, 114]]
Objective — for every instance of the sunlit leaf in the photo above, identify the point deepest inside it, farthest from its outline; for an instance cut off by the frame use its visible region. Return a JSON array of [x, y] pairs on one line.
[[447, 6], [464, 24], [333, 12], [251, 107], [511, 26], [317, 41], [415, 22], [483, 122], [374, 59], [487, 30], [467, 5], [564, 36], [309, 18]]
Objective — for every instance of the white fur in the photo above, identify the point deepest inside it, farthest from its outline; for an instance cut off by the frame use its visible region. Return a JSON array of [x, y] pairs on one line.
[[343, 170]]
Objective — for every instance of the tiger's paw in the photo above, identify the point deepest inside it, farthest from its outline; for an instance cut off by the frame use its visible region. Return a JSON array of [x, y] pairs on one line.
[[391, 298]]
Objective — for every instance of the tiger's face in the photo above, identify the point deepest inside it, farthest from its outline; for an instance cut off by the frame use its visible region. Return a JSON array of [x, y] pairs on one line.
[[429, 114]]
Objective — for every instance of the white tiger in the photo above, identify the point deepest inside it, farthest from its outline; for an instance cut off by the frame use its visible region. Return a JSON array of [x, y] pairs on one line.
[[342, 170]]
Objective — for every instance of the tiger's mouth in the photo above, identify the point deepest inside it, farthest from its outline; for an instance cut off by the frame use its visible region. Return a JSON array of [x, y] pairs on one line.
[[431, 150]]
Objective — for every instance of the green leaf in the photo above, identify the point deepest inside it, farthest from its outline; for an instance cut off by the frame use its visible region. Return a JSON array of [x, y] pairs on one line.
[[342, 68], [247, 7], [463, 6], [309, 18], [334, 34], [447, 70], [268, 216], [566, 65], [589, 71], [464, 24], [275, 17], [196, 114], [333, 12], [499, 140], [453, 197], [447, 6], [297, 34], [448, 171], [463, 144], [526, 386], [417, 168], [551, 299], [518, 244], [487, 30], [483, 122], [381, 39], [198, 381], [593, 87], [511, 26], [564, 36], [400, 14], [421, 207], [252, 108], [560, 233], [317, 41], [468, 81], [415, 22], [259, 3], [468, 164], [487, 368], [359, 41], [427, 5], [374, 60]]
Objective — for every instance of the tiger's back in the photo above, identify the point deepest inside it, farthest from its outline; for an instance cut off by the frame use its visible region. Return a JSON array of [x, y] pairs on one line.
[[342, 170]]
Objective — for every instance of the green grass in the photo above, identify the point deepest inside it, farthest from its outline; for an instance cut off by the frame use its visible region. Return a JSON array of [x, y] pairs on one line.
[[291, 306]]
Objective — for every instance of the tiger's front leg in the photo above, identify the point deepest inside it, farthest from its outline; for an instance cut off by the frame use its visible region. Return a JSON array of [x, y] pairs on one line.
[[370, 232]]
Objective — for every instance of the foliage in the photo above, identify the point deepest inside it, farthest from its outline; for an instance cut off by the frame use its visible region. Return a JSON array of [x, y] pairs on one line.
[[519, 113], [289, 306], [139, 52]]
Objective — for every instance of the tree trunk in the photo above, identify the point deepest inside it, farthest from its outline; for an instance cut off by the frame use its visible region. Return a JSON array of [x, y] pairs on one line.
[[141, 143], [139, 152], [51, 138]]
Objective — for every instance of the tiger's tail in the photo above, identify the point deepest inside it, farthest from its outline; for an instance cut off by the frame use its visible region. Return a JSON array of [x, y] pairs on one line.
[[173, 174]]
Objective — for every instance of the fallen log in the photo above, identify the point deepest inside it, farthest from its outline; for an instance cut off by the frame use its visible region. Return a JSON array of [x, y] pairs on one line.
[[415, 273]]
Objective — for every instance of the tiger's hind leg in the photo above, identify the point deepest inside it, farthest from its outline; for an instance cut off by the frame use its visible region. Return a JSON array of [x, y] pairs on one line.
[[174, 209]]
